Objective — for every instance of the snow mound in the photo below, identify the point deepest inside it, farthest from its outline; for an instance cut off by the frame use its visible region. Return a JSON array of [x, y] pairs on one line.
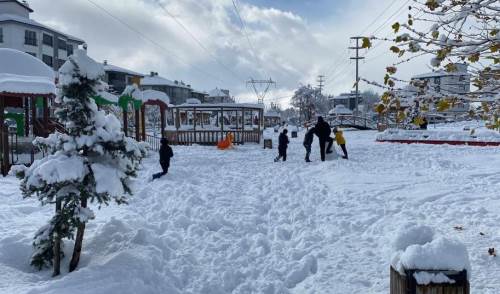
[[439, 135], [148, 95], [425, 278], [439, 254], [87, 67], [23, 73], [411, 234]]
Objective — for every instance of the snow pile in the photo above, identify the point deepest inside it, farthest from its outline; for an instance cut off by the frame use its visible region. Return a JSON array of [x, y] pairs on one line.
[[56, 168], [425, 278], [410, 234], [417, 249], [134, 92], [87, 67], [148, 95], [439, 135], [23, 73]]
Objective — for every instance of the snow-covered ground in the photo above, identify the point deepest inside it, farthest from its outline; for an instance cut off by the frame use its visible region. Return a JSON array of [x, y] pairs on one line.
[[236, 222]]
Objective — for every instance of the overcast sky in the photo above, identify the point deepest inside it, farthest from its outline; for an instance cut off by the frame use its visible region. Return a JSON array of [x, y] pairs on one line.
[[291, 41]]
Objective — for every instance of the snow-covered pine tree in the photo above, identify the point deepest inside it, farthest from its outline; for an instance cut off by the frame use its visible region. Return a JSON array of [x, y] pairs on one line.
[[92, 162]]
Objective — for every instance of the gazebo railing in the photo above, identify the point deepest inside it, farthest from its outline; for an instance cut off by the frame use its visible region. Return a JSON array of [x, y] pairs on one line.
[[153, 141], [212, 137]]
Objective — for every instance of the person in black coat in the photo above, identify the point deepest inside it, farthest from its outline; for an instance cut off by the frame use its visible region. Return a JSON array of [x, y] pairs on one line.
[[323, 131], [165, 154], [282, 145], [308, 140]]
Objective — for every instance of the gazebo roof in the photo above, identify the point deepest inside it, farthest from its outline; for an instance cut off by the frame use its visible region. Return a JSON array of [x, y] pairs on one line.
[[21, 73], [149, 95], [218, 106]]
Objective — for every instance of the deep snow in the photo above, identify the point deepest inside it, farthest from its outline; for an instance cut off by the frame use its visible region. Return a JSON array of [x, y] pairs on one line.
[[236, 222]]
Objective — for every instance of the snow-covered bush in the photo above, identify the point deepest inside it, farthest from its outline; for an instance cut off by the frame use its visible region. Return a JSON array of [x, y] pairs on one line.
[[92, 161]]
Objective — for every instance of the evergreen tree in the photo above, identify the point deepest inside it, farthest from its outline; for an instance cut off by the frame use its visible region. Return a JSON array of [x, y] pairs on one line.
[[91, 162]]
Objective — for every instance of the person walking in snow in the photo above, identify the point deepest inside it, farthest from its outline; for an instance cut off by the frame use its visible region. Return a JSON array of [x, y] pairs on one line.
[[282, 145], [308, 140], [339, 137], [165, 154], [323, 131]]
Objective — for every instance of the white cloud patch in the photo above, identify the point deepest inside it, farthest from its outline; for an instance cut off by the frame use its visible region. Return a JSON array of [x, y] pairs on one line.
[[290, 49]]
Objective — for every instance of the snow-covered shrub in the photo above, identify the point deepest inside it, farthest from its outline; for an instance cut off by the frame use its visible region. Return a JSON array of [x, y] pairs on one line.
[[92, 161]]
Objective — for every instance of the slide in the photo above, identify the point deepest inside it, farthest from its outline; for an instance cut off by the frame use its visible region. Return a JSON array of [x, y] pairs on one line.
[[227, 143]]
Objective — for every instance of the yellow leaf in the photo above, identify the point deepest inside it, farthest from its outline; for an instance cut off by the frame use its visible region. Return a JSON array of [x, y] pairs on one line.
[[391, 83], [395, 49], [435, 34], [443, 105], [494, 48], [391, 69], [366, 43], [418, 121], [474, 57], [395, 27], [450, 67], [380, 108], [400, 116]]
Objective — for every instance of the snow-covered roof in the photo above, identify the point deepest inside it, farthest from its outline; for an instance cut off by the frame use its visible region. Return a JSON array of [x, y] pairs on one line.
[[23, 73], [217, 106], [217, 93], [440, 73], [155, 95], [340, 109], [193, 101], [272, 113], [160, 81], [27, 21], [110, 67]]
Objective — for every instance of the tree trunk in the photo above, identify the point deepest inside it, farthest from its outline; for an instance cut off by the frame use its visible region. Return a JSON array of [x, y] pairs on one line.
[[57, 246], [75, 259]]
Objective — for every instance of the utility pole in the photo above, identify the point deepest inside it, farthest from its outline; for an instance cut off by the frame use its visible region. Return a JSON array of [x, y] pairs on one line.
[[357, 58], [321, 83]]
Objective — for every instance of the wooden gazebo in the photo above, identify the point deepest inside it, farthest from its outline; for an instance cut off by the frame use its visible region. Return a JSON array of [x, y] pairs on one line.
[[25, 83], [245, 121]]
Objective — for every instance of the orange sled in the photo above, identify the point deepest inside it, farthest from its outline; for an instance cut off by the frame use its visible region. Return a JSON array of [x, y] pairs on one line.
[[227, 143]]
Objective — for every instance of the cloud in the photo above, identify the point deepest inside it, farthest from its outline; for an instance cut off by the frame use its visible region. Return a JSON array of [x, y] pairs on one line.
[[287, 47]]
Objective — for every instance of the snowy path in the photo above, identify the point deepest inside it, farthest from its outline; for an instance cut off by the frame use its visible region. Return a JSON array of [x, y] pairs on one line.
[[235, 222]]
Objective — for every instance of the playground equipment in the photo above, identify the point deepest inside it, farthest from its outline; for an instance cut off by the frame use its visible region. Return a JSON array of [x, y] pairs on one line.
[[227, 143]]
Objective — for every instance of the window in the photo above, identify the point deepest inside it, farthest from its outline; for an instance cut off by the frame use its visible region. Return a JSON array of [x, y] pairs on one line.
[[48, 60], [70, 49], [437, 80], [30, 38], [32, 54], [1, 35], [61, 44], [48, 40]]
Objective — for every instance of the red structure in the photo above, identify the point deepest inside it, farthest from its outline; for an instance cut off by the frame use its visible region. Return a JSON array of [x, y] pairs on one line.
[[25, 83]]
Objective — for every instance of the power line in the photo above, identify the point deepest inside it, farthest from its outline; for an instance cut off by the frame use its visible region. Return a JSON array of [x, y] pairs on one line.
[[245, 33], [234, 74], [179, 59], [378, 17]]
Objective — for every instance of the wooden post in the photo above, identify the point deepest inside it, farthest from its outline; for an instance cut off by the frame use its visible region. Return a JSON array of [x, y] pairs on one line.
[[136, 118], [125, 121], [261, 112], [45, 116], [143, 120], [26, 116], [4, 139], [162, 122], [222, 123]]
